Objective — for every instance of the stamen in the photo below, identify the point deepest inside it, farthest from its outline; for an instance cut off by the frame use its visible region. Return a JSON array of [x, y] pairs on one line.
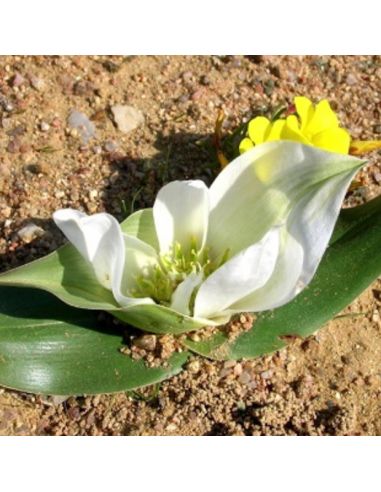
[[160, 281]]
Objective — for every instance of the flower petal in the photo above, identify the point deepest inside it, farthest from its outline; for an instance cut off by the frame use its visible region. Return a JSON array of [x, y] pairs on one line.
[[182, 296], [98, 238], [305, 239], [305, 110], [244, 273], [333, 139], [181, 213], [257, 129], [274, 132], [139, 257], [245, 145], [323, 118], [291, 130], [259, 189]]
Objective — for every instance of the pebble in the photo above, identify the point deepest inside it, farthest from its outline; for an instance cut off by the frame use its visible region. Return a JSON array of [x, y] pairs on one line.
[[93, 194], [244, 378], [97, 149], [6, 212], [110, 146], [377, 128], [17, 80], [377, 177], [44, 127], [266, 374], [127, 118], [351, 79], [237, 369], [193, 366], [81, 123], [146, 342], [36, 82], [30, 232]]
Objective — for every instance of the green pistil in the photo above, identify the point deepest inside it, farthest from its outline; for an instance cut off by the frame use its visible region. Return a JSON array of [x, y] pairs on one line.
[[160, 281]]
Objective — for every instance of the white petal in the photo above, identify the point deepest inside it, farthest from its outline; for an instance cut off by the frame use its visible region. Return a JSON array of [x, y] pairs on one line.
[[306, 236], [247, 271], [181, 213], [139, 257], [183, 293], [98, 238], [283, 285], [258, 189]]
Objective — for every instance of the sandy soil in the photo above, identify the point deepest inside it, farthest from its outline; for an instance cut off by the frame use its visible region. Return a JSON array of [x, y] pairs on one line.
[[327, 384]]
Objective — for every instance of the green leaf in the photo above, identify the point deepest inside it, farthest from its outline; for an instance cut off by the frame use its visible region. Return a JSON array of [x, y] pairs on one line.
[[65, 274], [351, 263], [50, 348]]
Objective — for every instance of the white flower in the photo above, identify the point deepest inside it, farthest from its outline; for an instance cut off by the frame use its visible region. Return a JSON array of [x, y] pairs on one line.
[[250, 242]]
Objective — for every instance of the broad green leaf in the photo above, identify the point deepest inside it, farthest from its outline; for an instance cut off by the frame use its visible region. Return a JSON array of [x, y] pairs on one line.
[[50, 348], [65, 274], [351, 263]]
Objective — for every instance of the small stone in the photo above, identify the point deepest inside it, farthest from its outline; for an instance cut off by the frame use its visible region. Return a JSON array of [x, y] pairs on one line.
[[237, 370], [6, 104], [377, 177], [83, 88], [80, 123], [93, 194], [36, 82], [244, 378], [110, 146], [56, 123], [17, 80], [30, 232], [193, 366], [351, 79], [187, 76], [6, 212], [266, 374], [14, 146], [8, 107], [127, 118], [97, 149], [377, 128], [6, 123], [146, 342], [44, 127]]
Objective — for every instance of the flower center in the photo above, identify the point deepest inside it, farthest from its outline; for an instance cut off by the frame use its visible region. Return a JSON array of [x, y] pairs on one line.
[[161, 280]]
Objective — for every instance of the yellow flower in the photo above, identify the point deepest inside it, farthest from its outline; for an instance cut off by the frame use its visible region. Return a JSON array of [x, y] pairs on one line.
[[315, 125]]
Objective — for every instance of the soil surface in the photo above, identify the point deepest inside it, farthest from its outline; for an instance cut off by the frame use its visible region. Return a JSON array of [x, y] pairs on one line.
[[329, 384]]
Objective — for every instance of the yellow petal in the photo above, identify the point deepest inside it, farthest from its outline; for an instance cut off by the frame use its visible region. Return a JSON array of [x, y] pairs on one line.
[[359, 147], [305, 110], [257, 129], [292, 131], [245, 145], [323, 118], [274, 132], [334, 139]]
